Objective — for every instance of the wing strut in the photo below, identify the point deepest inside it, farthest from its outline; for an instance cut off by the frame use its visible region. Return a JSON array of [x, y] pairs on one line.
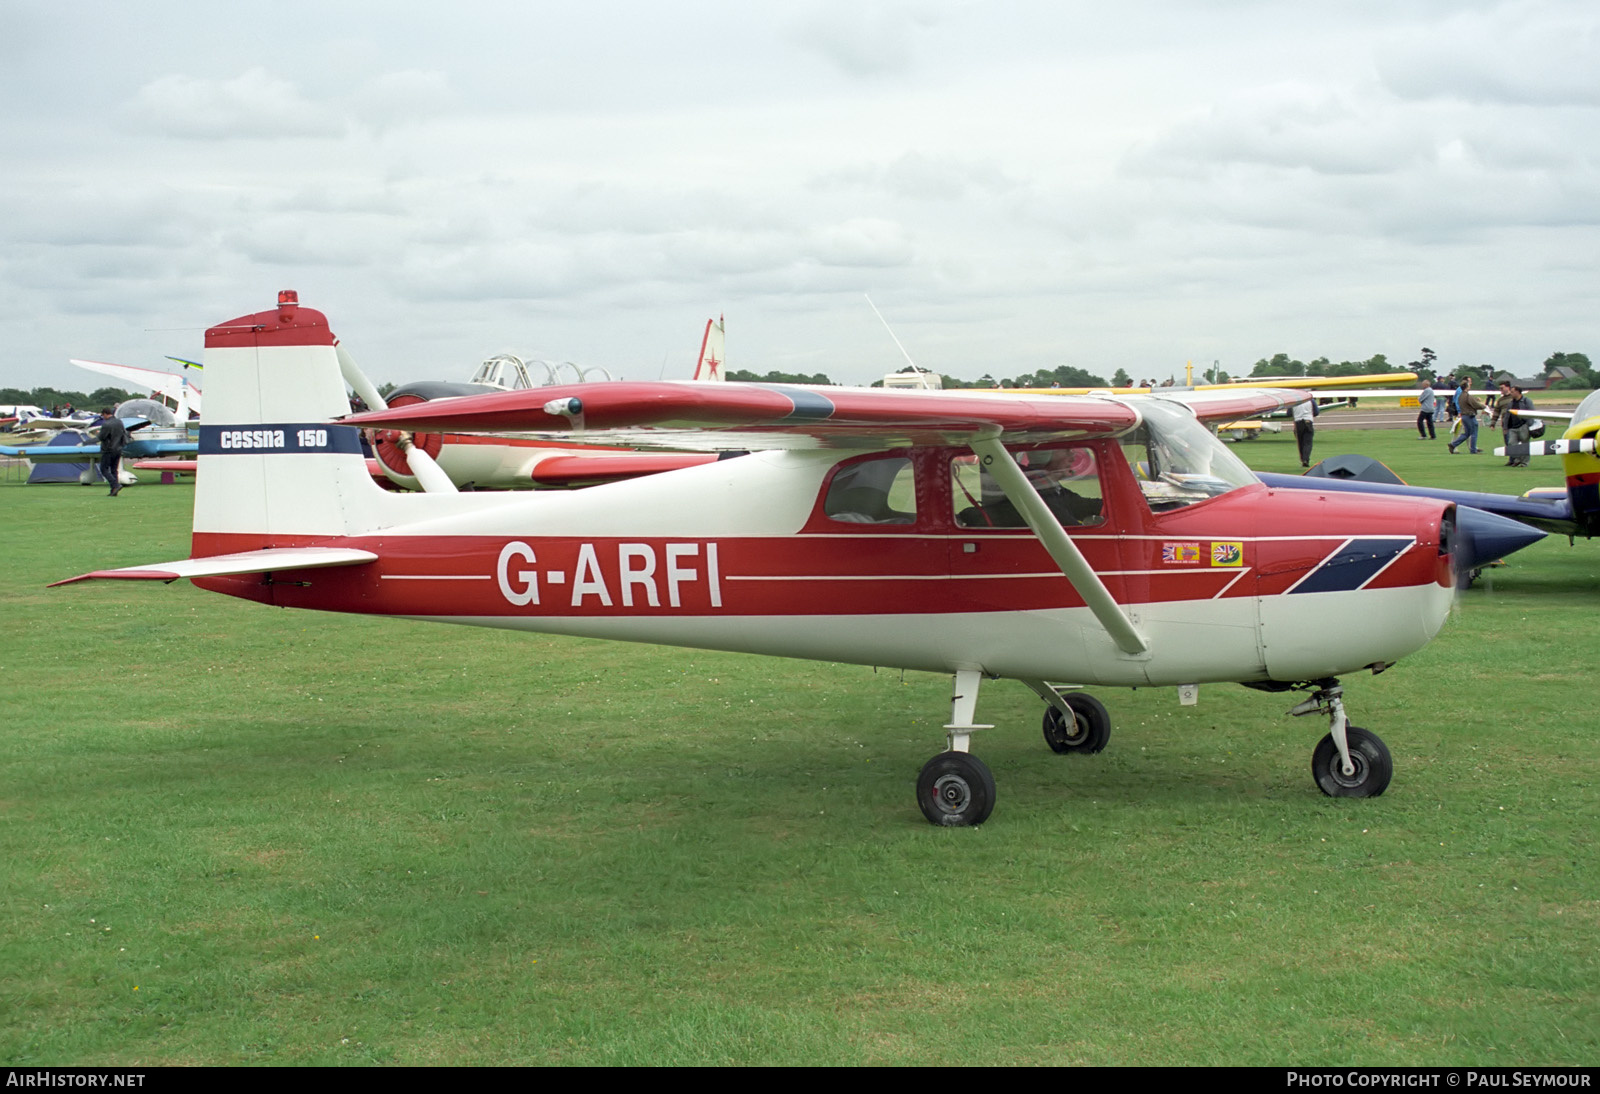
[[1020, 492]]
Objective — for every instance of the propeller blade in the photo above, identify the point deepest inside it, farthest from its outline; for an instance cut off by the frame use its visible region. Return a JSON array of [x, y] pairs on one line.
[[429, 474]]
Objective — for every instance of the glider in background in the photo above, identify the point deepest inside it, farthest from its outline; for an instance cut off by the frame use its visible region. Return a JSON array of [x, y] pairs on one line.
[[185, 395]]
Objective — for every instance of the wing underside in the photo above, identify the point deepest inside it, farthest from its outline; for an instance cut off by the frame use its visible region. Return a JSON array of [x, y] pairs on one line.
[[735, 415]]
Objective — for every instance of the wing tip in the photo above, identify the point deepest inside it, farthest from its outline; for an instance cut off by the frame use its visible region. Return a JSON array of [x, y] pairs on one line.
[[118, 575]]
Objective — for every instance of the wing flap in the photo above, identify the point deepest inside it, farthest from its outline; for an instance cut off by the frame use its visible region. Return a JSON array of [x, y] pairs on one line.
[[245, 562]]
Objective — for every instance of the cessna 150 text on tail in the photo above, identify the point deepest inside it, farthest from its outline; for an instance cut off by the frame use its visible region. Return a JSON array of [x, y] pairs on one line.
[[1060, 542]]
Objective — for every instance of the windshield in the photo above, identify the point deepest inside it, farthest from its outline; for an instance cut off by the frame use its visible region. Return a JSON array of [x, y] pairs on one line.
[[153, 412], [1178, 461]]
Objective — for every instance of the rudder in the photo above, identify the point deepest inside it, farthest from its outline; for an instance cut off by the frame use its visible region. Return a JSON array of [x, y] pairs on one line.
[[272, 468]]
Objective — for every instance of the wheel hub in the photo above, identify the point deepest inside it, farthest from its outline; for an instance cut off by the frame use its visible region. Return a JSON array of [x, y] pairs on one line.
[[952, 794], [1356, 777]]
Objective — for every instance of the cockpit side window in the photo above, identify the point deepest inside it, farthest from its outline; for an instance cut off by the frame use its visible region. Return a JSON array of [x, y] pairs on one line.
[[879, 491], [1177, 461], [1066, 477]]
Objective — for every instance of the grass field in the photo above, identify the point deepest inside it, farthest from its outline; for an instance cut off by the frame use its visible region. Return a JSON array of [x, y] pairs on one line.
[[234, 834]]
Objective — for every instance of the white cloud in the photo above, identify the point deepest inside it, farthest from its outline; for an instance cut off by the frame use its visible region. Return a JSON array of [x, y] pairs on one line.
[[1042, 181], [863, 37], [1537, 53], [252, 105], [404, 98]]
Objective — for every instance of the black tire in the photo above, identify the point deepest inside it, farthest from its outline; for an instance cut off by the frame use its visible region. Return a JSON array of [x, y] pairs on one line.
[[1374, 767], [956, 790], [1090, 732]]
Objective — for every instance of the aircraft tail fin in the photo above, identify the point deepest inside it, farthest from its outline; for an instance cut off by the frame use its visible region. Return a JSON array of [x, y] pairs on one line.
[[712, 352], [273, 469]]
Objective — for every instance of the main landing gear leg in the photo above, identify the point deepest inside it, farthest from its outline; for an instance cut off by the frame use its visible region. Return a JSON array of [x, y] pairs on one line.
[[1349, 762], [1075, 722], [956, 789]]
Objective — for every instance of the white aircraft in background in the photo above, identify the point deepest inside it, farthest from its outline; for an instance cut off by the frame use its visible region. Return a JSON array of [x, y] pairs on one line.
[[184, 392], [508, 462]]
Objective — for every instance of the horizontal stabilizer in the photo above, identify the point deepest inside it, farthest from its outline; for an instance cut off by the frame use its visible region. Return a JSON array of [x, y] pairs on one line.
[[245, 562]]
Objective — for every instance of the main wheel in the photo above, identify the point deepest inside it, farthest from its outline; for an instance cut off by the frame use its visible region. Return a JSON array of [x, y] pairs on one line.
[[1090, 729], [1369, 755], [956, 789]]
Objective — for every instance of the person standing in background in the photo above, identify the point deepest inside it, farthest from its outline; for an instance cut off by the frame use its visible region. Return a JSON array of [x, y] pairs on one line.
[[1427, 404], [1304, 431], [1467, 405], [113, 439]]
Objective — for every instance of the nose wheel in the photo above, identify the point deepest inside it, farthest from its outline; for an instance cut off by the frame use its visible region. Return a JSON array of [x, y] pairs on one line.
[[1371, 765], [1350, 762]]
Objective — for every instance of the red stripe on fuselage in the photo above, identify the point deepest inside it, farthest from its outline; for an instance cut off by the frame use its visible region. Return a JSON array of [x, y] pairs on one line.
[[766, 576]]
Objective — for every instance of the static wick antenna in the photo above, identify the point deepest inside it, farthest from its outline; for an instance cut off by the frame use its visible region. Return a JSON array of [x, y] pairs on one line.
[[914, 366]]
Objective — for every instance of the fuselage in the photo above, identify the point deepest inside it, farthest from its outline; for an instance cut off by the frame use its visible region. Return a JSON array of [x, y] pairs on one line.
[[763, 554]]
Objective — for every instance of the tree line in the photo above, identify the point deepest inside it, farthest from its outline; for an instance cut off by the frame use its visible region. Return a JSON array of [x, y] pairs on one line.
[[1426, 366], [48, 397]]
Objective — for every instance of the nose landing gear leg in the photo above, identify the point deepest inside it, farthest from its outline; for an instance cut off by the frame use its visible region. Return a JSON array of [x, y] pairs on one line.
[[1349, 762]]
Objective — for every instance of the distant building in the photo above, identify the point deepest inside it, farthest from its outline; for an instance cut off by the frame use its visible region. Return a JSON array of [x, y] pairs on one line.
[[1526, 383]]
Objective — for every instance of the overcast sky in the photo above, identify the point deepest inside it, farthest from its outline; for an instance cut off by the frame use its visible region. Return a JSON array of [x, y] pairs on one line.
[[1017, 185]]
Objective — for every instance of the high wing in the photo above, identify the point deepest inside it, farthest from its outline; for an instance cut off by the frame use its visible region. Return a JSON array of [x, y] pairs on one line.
[[736, 415], [685, 414], [266, 561], [1334, 383], [1226, 404], [174, 386]]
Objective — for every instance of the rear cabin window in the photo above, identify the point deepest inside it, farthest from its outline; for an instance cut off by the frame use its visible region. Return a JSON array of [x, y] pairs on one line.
[[1067, 479], [880, 491]]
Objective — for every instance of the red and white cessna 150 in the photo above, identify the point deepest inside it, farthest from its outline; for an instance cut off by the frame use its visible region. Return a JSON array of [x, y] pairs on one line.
[[1061, 542]]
